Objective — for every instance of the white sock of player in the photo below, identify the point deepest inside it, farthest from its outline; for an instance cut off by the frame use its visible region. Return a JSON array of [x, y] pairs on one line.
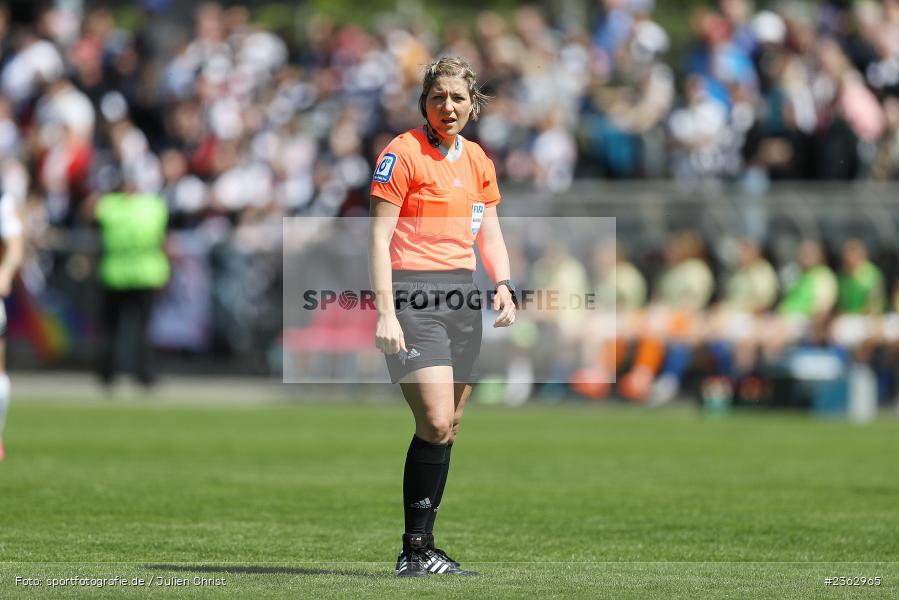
[[4, 399]]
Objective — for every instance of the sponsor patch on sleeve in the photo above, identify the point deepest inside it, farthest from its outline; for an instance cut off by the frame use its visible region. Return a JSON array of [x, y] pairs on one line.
[[385, 168]]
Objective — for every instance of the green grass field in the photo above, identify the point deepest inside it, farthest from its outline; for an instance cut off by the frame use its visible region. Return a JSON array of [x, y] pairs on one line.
[[548, 502]]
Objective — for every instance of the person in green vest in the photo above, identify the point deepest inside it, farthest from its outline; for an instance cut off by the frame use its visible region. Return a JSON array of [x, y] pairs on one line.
[[861, 299], [806, 307], [133, 268], [814, 291], [861, 286]]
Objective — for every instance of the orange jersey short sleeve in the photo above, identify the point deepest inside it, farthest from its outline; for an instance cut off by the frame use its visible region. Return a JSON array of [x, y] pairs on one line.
[[442, 199]]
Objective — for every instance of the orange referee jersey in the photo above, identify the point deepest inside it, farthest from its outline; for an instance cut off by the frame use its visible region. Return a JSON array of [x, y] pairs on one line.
[[442, 199]]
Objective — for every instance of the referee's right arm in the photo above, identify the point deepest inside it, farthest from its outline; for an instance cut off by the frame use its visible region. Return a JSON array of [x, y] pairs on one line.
[[384, 215]]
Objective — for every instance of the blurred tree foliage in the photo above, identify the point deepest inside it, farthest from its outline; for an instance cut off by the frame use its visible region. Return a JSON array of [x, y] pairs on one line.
[[291, 19]]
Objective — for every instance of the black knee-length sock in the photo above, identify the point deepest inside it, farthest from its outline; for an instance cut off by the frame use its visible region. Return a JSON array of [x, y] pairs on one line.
[[438, 495], [421, 479]]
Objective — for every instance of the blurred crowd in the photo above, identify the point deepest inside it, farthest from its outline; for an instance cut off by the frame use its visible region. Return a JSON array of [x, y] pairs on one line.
[[236, 125], [733, 316], [233, 123]]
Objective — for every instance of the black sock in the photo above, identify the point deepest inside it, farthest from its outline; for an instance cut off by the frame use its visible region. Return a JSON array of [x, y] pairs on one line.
[[421, 478], [438, 495]]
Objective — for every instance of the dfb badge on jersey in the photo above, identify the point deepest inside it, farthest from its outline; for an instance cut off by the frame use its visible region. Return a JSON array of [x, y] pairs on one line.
[[385, 168], [477, 217]]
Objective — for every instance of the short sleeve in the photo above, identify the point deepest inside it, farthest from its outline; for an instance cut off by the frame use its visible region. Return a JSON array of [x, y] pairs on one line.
[[393, 174], [10, 224], [491, 188]]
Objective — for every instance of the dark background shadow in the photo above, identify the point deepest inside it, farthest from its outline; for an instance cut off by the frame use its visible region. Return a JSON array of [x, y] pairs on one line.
[[261, 569]]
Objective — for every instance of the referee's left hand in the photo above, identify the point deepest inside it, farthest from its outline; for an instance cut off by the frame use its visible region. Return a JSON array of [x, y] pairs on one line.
[[502, 301]]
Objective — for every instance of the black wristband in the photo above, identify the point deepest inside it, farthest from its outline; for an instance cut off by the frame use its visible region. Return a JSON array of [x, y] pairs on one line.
[[508, 283]]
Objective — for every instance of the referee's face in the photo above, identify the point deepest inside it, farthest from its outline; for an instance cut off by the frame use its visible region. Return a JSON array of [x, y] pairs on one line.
[[448, 106]]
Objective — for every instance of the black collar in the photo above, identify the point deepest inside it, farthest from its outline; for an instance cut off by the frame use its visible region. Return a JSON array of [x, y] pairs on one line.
[[434, 138]]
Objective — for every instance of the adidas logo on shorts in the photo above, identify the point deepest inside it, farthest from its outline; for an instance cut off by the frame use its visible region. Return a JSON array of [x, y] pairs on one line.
[[426, 503], [411, 354]]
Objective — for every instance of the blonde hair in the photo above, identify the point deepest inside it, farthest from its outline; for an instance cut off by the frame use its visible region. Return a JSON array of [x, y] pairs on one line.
[[452, 66]]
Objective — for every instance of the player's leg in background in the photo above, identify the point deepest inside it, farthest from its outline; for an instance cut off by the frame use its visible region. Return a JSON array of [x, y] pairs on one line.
[[110, 325], [144, 349], [4, 391]]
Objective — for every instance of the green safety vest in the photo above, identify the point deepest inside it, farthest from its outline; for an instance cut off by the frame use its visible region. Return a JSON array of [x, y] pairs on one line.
[[133, 231], [862, 291], [800, 299]]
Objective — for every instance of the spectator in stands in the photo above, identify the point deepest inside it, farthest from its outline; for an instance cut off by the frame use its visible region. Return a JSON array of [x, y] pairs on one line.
[[687, 282], [780, 140], [861, 300], [228, 118], [622, 122], [752, 287], [186, 196], [64, 121], [606, 335], [886, 159], [890, 333], [749, 291], [765, 92], [810, 295], [36, 62], [861, 284], [554, 153], [854, 113], [697, 129], [877, 343], [682, 291], [617, 283], [559, 272]]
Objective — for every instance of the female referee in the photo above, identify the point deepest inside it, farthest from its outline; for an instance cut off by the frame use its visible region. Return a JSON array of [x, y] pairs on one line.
[[434, 194]]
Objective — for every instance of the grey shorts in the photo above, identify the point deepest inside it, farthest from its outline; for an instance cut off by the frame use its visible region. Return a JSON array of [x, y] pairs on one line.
[[440, 314]]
